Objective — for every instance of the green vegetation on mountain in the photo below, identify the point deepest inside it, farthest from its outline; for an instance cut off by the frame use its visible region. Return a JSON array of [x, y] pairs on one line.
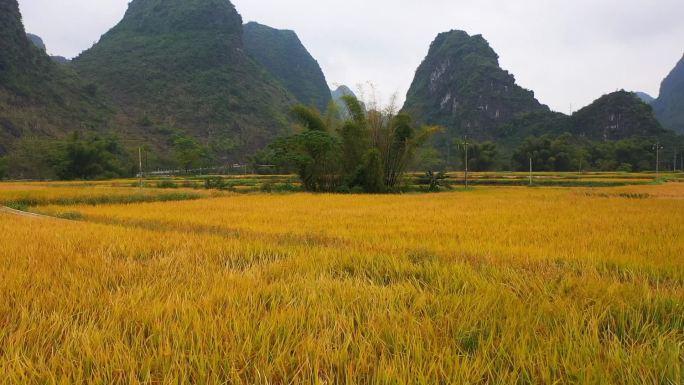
[[180, 66], [615, 116], [38, 97], [669, 106], [460, 86], [285, 57]]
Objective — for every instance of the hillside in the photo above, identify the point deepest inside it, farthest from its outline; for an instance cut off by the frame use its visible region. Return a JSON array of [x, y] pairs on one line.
[[669, 106], [616, 116], [180, 66], [38, 42], [38, 97], [461, 86], [285, 57]]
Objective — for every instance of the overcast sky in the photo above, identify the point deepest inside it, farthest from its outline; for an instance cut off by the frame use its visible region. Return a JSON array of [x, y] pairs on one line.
[[569, 52]]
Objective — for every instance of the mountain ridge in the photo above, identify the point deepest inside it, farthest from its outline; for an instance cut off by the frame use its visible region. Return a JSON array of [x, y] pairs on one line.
[[37, 96], [284, 56], [174, 65], [461, 86], [614, 116]]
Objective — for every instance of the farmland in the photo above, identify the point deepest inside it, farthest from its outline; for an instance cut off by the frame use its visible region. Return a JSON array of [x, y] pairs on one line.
[[575, 283]]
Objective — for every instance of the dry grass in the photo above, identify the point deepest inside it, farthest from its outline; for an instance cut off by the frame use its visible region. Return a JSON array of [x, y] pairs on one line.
[[498, 285], [24, 195]]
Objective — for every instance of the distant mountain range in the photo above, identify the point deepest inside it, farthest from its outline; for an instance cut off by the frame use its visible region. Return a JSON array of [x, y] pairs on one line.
[[646, 98], [177, 67], [461, 87]]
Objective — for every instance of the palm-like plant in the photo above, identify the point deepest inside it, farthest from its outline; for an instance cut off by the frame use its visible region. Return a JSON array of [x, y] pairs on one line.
[[371, 149]]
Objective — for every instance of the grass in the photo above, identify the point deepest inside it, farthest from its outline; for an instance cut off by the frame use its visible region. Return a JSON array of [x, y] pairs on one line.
[[501, 285], [26, 195]]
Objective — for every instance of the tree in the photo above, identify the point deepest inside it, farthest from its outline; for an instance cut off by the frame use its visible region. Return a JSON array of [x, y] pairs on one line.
[[188, 153], [3, 167], [403, 140], [632, 154], [355, 136], [90, 158], [369, 150], [371, 176], [481, 156], [547, 153], [313, 152], [431, 159], [35, 158]]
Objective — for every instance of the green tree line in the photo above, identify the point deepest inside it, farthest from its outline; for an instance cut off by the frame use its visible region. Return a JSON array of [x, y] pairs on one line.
[[562, 153]]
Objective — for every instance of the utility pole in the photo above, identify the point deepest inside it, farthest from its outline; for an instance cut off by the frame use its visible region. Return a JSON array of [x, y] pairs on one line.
[[448, 162], [530, 171], [140, 166], [657, 147], [465, 145], [674, 163], [580, 164], [466, 162]]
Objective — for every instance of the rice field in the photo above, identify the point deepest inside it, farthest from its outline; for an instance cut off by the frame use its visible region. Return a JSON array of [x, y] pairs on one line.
[[495, 285], [26, 195]]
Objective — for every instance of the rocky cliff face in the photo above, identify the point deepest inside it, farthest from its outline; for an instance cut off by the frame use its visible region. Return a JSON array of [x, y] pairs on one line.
[[181, 65], [285, 57], [669, 106], [461, 86], [616, 116]]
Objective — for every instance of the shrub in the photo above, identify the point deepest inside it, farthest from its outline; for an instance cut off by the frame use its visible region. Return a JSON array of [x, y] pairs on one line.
[[167, 184], [625, 167], [216, 183]]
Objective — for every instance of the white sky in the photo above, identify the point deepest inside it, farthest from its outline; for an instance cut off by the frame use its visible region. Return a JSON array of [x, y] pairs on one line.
[[569, 52]]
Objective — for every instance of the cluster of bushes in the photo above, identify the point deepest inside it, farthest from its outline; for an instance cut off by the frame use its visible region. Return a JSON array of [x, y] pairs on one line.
[[76, 157], [367, 152]]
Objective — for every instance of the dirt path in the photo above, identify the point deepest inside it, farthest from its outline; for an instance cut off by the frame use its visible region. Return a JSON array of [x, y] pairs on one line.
[[25, 214]]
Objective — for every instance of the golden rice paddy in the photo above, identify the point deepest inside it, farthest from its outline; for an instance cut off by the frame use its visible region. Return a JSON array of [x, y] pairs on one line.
[[498, 285]]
